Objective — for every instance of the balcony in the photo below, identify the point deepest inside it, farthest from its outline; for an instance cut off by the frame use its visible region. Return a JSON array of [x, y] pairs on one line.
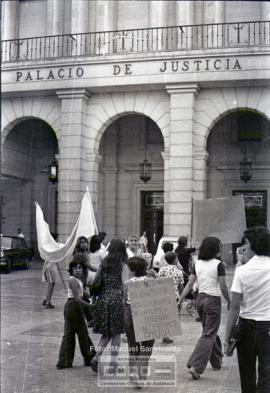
[[138, 41]]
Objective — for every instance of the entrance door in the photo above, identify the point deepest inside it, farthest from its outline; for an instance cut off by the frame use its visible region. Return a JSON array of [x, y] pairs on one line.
[[152, 207], [255, 207]]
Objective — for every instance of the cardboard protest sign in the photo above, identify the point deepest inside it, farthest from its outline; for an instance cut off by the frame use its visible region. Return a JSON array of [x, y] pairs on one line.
[[154, 309], [223, 218]]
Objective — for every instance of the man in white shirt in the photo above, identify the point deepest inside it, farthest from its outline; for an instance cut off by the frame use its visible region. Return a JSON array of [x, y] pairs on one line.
[[251, 303], [19, 233]]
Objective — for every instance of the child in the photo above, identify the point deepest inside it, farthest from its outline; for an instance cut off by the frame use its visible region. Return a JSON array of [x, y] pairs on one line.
[[172, 271], [74, 319], [139, 352]]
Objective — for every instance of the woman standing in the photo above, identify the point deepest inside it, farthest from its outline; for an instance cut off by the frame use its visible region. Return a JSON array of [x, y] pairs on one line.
[[109, 308], [82, 247], [210, 275]]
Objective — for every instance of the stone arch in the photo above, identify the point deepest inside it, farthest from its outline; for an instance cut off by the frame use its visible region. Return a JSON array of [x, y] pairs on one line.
[[104, 109], [213, 104], [15, 110]]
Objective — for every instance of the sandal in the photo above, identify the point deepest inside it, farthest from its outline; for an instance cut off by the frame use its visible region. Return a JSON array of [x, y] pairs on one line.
[[94, 364], [194, 373]]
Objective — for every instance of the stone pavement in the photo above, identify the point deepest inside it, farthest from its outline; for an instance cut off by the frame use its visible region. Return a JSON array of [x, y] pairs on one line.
[[31, 336]]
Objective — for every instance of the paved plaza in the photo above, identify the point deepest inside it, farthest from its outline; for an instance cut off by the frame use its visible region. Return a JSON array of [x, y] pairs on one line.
[[31, 336]]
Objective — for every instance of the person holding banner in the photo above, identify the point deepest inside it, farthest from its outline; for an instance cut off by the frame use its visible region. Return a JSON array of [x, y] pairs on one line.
[[209, 272], [139, 352], [251, 308], [51, 274]]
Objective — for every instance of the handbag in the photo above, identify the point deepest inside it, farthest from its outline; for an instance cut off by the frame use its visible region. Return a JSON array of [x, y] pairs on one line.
[[233, 340]]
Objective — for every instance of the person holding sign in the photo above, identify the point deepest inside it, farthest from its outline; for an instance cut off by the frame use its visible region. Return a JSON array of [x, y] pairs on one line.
[[209, 272], [139, 352], [173, 272]]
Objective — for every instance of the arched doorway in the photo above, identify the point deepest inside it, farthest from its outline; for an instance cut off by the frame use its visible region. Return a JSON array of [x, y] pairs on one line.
[[237, 136], [127, 204], [28, 150]]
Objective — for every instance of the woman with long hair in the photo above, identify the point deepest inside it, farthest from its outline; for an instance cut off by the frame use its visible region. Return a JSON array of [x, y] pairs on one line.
[[109, 310], [82, 247], [209, 272]]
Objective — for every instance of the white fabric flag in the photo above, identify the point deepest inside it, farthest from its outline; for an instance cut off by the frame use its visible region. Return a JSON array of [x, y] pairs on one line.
[[52, 251]]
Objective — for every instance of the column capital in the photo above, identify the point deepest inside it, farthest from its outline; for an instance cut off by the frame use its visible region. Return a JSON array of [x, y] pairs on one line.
[[200, 153], [182, 88], [165, 155], [67, 94], [92, 156]]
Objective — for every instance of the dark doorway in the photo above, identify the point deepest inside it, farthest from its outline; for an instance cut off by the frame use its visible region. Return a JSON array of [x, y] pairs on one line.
[[152, 207], [255, 207]]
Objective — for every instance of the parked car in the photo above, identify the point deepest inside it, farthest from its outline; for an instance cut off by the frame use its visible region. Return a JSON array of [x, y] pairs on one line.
[[14, 252], [160, 252]]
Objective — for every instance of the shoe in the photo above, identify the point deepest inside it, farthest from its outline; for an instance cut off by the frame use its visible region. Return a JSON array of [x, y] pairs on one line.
[[43, 302], [167, 340], [135, 380], [48, 305], [194, 373], [61, 366], [87, 362], [94, 364], [218, 367]]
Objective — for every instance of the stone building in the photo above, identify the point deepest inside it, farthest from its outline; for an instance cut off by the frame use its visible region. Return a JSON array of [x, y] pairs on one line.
[[99, 86]]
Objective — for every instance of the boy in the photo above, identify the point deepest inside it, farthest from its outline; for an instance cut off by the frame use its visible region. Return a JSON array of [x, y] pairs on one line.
[[171, 270], [139, 352]]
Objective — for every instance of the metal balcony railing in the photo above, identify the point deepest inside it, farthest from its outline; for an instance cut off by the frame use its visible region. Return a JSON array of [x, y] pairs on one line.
[[158, 39]]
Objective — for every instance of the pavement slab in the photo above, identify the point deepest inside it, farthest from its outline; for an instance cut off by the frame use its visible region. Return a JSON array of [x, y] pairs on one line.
[[31, 338]]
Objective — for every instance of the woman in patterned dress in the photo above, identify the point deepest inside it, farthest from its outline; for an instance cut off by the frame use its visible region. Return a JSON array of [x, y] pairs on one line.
[[108, 310]]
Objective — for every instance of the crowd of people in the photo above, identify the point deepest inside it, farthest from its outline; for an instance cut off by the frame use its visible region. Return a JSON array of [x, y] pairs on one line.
[[98, 295]]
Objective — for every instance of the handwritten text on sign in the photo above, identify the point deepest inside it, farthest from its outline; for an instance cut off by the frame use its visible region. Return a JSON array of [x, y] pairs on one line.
[[154, 309]]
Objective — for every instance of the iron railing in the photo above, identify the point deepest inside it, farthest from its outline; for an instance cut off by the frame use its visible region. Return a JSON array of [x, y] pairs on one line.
[[149, 40]]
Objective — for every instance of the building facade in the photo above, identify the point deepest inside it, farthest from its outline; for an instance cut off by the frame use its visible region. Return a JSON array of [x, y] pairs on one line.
[[100, 86]]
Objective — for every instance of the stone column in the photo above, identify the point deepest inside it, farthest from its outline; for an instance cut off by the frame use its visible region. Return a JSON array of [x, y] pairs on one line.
[[265, 16], [166, 223], [111, 42], [200, 173], [10, 24], [55, 17], [265, 10], [70, 186], [10, 29], [110, 17], [55, 27], [110, 198], [79, 24], [89, 173], [182, 105], [190, 21], [219, 30], [158, 15], [219, 11]]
